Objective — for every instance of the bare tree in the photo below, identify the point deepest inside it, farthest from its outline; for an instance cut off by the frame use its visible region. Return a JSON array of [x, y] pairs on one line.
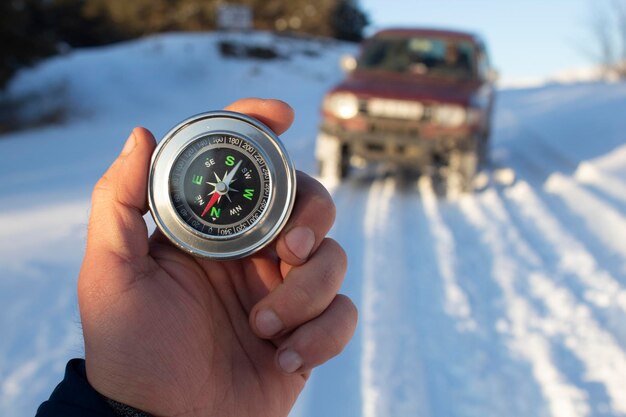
[[619, 6], [607, 25]]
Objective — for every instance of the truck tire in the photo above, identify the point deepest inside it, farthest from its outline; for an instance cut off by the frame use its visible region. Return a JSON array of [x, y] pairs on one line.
[[484, 150], [336, 166], [461, 170]]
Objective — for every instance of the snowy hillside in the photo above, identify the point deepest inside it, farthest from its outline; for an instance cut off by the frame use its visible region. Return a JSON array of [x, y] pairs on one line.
[[508, 302]]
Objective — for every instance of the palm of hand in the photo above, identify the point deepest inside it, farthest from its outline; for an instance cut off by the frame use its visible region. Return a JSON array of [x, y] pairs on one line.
[[192, 316]]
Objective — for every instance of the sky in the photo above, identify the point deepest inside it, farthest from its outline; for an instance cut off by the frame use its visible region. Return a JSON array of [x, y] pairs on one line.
[[528, 39]]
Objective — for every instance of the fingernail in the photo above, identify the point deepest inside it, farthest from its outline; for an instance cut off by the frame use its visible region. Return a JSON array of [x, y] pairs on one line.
[[300, 241], [289, 361], [268, 323], [130, 144]]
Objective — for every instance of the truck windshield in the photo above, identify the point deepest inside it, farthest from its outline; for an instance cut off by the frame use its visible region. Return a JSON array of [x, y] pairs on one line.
[[420, 56]]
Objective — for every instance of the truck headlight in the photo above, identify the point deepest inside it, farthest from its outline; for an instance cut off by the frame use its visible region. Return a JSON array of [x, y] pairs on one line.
[[342, 105], [449, 115]]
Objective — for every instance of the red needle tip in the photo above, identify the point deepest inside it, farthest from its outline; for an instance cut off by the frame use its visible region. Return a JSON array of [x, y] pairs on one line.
[[211, 203]]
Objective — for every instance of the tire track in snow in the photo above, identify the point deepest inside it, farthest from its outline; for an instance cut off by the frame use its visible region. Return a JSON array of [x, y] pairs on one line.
[[417, 355], [563, 399], [456, 302], [392, 375], [571, 210], [502, 378], [601, 220], [564, 255], [569, 322], [499, 384], [344, 394], [562, 180]]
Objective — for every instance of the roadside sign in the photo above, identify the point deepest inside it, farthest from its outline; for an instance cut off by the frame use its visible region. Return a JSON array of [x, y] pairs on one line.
[[234, 17]]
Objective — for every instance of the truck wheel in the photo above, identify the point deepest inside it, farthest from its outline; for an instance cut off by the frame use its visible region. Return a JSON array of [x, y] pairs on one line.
[[336, 166], [484, 149], [462, 168]]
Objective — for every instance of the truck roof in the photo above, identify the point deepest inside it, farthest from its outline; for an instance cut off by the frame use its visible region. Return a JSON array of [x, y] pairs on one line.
[[445, 33]]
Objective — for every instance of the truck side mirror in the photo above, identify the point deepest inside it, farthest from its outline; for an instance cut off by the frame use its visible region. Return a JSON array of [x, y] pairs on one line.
[[348, 63]]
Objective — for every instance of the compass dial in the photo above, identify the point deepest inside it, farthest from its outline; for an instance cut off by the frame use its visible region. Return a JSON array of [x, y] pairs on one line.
[[221, 185]]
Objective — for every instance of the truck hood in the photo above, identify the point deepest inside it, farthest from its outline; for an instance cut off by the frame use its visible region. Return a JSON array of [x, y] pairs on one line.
[[402, 87]]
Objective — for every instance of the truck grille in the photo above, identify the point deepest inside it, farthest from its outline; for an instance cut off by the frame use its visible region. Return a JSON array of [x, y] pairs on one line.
[[401, 110], [394, 127]]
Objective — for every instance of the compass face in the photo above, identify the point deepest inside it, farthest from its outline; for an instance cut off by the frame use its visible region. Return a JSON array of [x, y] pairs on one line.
[[220, 185]]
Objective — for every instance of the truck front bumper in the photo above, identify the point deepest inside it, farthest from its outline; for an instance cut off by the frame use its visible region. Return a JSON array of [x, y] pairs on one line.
[[401, 148]]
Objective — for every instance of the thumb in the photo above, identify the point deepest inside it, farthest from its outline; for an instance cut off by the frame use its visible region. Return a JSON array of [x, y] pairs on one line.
[[119, 201]]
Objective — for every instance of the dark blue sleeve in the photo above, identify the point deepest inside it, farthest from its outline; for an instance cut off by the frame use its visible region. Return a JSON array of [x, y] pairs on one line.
[[74, 397]]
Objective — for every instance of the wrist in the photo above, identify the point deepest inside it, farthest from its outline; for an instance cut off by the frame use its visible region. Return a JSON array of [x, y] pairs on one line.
[[123, 410], [131, 392]]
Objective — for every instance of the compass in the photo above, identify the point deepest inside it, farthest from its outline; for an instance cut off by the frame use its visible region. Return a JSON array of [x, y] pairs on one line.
[[221, 185]]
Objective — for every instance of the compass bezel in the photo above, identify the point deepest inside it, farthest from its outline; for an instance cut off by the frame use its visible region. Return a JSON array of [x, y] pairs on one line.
[[282, 185]]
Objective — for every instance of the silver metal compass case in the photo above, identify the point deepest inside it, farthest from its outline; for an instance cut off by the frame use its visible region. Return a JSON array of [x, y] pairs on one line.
[[282, 185]]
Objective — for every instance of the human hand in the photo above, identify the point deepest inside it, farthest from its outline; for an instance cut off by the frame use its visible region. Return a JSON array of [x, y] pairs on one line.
[[175, 335]]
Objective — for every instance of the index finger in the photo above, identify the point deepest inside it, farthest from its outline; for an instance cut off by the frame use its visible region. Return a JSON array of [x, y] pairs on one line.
[[312, 218], [276, 114]]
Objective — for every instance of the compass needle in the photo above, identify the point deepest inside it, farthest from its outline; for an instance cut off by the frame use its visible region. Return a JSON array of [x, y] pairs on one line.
[[229, 177], [193, 214], [212, 201]]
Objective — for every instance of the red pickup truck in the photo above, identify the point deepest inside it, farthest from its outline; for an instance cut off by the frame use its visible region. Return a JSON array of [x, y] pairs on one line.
[[415, 98]]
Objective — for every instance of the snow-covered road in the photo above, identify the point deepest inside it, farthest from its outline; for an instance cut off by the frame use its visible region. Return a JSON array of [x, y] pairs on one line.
[[489, 305], [507, 302], [510, 301]]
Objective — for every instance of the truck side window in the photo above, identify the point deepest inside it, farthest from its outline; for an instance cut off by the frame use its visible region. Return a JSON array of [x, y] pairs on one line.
[[483, 65]]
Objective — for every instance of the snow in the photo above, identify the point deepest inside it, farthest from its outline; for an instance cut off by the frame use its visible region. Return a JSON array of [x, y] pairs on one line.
[[510, 301], [571, 76]]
